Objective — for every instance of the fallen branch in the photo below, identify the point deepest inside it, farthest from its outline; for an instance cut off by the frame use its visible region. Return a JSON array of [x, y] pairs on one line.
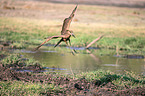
[[94, 41]]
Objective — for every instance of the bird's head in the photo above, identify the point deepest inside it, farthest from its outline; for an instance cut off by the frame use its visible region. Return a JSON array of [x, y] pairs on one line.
[[71, 33]]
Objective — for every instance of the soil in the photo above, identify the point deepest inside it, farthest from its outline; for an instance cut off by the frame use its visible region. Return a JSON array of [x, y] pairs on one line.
[[69, 86]]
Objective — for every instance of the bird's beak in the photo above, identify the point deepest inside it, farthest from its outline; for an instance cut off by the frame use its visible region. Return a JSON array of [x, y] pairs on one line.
[[73, 35]]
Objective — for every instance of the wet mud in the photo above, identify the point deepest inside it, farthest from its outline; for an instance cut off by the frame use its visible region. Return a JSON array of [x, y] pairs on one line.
[[68, 85]]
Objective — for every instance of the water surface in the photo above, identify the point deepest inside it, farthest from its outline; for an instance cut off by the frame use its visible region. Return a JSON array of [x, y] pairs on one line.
[[84, 61]]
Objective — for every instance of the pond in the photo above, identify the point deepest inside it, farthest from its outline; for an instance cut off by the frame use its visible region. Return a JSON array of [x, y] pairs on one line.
[[61, 59]]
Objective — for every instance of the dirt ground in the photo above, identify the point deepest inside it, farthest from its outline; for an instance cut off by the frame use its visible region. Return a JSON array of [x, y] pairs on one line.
[[69, 86]]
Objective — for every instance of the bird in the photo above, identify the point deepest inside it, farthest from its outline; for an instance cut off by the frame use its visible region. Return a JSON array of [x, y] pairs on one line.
[[65, 32]]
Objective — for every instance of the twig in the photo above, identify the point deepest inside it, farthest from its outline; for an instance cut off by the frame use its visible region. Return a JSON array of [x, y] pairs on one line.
[[94, 41]]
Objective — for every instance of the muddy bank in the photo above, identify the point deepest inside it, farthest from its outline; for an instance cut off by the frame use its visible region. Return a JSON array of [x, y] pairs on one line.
[[69, 86]]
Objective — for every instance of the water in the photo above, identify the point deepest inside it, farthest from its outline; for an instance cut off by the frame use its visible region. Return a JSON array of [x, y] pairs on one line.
[[85, 61]]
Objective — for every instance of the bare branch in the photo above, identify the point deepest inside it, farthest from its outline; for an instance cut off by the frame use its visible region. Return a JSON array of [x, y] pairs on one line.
[[94, 41]]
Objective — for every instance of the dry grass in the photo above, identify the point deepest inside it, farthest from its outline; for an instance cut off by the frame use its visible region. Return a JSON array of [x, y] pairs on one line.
[[41, 19]]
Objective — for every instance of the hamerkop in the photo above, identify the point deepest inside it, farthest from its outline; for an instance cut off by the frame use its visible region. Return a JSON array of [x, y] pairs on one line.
[[65, 32]]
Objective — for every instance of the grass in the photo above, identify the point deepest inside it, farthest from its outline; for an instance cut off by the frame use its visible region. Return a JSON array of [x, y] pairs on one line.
[[120, 27], [128, 78], [12, 59], [17, 59], [24, 32], [27, 88]]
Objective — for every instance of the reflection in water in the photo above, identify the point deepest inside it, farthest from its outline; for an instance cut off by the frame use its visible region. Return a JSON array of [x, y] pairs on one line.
[[90, 61]]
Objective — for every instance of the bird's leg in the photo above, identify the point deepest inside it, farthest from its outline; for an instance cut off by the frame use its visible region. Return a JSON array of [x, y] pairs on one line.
[[69, 42], [58, 42], [70, 46], [73, 52]]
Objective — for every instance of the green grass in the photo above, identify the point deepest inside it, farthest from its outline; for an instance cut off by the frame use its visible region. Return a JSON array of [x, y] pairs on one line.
[[119, 25], [24, 31], [25, 88], [12, 59], [122, 80], [128, 79], [17, 59]]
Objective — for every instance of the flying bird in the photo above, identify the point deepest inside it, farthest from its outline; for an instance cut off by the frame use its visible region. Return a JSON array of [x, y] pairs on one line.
[[65, 32]]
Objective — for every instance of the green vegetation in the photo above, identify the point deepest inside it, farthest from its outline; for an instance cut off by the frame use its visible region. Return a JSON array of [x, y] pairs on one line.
[[12, 59], [24, 32], [121, 26], [127, 79], [130, 80], [17, 59], [25, 88]]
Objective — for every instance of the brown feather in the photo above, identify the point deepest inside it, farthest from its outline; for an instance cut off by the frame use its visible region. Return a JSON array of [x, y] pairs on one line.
[[49, 38], [67, 21], [64, 33]]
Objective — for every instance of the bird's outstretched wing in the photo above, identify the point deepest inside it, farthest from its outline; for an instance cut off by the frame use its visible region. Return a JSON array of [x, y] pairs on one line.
[[67, 21], [49, 38]]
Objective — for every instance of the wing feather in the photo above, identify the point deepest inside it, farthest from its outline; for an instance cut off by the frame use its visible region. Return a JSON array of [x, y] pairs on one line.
[[67, 21], [49, 38]]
